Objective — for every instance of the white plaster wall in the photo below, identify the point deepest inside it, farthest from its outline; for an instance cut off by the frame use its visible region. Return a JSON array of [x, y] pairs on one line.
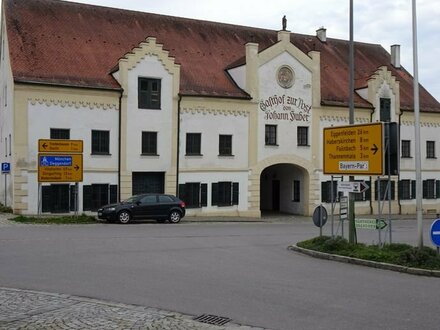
[[211, 125], [239, 76], [286, 129], [81, 121], [213, 177], [428, 132], [139, 120], [6, 119], [96, 168]]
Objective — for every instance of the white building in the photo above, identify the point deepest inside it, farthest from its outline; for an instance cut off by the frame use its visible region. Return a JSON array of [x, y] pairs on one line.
[[228, 117]]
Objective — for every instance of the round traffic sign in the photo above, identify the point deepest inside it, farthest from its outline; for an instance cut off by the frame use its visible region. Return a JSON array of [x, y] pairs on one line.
[[435, 232], [319, 216]]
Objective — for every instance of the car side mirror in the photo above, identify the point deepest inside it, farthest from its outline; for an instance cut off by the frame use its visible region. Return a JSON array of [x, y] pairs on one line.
[[138, 203]]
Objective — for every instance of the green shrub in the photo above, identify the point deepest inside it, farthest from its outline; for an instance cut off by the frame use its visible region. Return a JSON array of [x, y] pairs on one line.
[[416, 257], [399, 254]]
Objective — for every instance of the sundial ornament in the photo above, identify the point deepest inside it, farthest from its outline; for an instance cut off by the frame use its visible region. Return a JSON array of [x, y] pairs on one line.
[[285, 76]]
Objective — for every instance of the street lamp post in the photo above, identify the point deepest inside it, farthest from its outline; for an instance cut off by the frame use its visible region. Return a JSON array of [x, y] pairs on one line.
[[417, 131]]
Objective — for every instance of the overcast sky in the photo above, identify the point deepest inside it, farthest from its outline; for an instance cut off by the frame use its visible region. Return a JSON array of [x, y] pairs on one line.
[[384, 22]]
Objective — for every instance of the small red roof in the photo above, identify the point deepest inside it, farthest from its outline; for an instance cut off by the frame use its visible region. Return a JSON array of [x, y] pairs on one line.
[[65, 43]]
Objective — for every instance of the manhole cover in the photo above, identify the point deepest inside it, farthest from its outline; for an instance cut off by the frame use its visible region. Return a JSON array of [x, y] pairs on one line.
[[212, 319]]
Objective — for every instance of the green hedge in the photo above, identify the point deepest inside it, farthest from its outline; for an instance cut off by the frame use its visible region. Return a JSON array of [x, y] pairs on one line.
[[79, 219]]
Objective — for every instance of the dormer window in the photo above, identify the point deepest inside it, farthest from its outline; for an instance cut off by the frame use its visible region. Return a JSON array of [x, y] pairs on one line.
[[385, 110], [148, 93]]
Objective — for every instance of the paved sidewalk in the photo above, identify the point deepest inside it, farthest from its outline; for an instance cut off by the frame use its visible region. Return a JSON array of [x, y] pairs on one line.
[[32, 310]]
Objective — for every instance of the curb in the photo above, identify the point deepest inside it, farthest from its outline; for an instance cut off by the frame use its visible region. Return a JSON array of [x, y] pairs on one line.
[[368, 263]]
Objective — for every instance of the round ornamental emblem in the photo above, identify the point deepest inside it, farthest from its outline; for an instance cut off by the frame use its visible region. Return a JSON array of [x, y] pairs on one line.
[[285, 76]]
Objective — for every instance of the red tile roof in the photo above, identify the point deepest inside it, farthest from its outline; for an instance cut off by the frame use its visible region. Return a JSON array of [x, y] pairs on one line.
[[65, 43]]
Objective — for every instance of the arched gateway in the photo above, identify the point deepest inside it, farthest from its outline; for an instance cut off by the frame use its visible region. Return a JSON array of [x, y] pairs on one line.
[[287, 184], [284, 188]]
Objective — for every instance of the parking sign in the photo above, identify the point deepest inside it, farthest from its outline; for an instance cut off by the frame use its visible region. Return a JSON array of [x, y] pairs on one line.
[[6, 168]]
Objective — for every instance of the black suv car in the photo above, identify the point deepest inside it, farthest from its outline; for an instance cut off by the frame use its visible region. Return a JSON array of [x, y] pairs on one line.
[[146, 206]]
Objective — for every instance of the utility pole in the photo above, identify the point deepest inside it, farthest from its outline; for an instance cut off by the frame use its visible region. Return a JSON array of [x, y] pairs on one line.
[[417, 132], [351, 224]]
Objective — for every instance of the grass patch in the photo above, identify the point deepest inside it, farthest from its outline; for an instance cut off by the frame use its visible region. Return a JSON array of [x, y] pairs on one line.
[[398, 254], [79, 219], [5, 209]]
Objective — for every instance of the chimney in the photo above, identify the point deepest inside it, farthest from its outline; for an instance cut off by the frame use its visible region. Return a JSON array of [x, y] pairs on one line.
[[321, 34], [395, 56], [252, 69]]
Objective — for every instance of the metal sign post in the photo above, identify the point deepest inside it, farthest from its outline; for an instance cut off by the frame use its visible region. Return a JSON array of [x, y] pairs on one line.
[[6, 169]]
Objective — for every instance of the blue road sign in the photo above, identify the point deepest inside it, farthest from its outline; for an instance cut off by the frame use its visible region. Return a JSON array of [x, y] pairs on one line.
[[6, 167], [56, 161], [435, 232]]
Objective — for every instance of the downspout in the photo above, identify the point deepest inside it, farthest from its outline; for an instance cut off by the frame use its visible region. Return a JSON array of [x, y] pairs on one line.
[[119, 145], [178, 144], [398, 172], [371, 178]]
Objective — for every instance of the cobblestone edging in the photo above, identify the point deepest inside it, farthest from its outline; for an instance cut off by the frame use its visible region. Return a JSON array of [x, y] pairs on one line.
[[26, 309], [368, 263]]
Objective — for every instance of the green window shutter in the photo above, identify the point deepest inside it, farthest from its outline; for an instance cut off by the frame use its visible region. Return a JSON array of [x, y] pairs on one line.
[[113, 193], [182, 192], [87, 198], [425, 189], [204, 194], [413, 189], [214, 194], [324, 192], [72, 198], [46, 192], [235, 193]]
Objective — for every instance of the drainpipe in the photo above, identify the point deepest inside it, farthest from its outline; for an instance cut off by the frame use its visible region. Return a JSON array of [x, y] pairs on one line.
[[371, 178], [119, 145], [398, 172], [178, 144]]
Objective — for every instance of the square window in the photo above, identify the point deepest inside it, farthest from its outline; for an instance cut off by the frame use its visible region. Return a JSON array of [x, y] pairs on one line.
[[405, 189], [406, 148], [100, 142], [386, 190], [430, 149], [225, 145], [192, 194], [60, 133], [149, 143], [271, 135], [296, 192], [193, 143], [303, 136], [429, 189], [149, 93]]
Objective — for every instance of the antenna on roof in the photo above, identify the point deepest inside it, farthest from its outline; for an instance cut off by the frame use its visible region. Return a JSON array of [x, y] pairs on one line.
[[284, 23]]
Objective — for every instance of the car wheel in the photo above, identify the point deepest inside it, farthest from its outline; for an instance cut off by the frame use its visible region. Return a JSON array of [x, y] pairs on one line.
[[124, 217], [175, 217]]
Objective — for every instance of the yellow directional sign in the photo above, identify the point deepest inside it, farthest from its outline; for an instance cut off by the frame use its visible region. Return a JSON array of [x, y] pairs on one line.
[[63, 146], [60, 168], [354, 149]]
